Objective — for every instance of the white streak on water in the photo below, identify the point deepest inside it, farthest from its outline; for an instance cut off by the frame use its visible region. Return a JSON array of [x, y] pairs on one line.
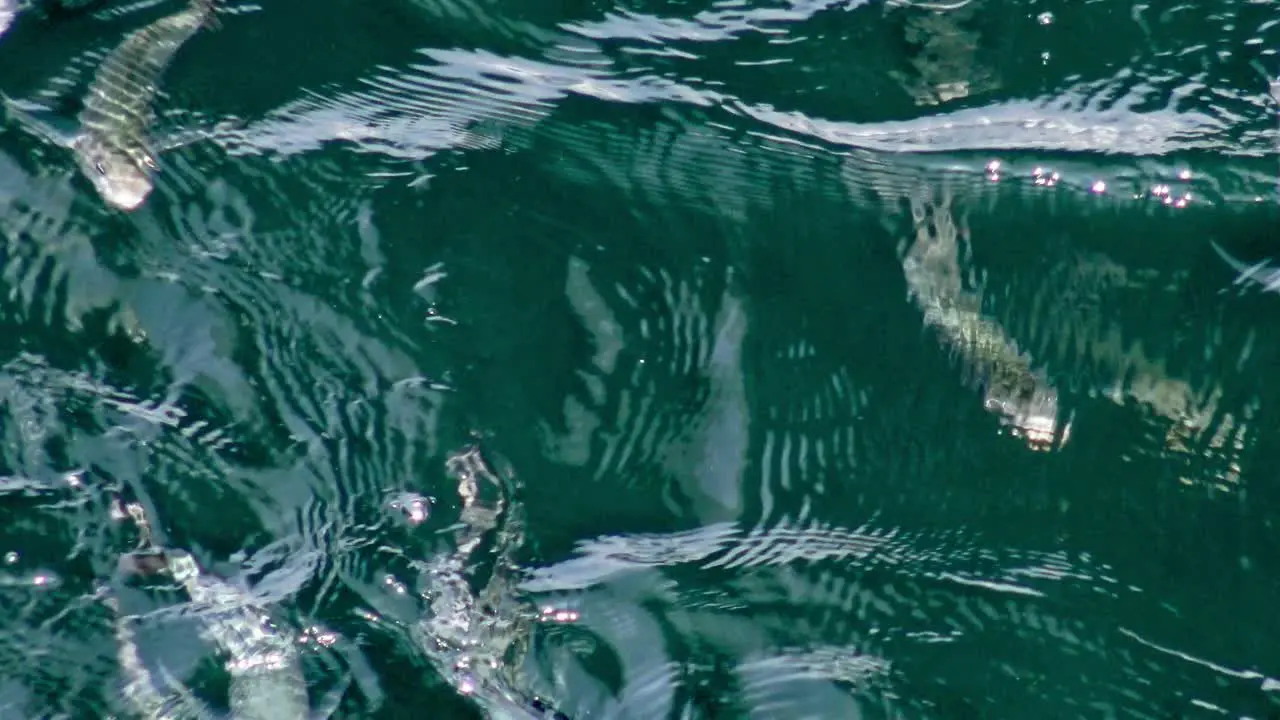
[[8, 12], [1222, 669]]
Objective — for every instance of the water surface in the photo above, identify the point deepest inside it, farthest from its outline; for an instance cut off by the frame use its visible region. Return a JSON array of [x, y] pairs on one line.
[[642, 264]]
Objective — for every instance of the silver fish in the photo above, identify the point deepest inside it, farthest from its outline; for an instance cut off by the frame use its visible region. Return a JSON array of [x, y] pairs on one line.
[[112, 144], [1011, 387], [264, 663], [154, 695], [112, 147]]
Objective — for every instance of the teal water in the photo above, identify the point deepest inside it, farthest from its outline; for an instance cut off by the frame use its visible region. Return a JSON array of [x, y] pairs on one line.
[[643, 273]]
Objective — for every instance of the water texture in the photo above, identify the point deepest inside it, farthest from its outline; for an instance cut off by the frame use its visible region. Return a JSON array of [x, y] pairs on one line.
[[722, 359]]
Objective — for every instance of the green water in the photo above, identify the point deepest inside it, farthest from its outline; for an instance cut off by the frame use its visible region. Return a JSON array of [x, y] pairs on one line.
[[647, 260]]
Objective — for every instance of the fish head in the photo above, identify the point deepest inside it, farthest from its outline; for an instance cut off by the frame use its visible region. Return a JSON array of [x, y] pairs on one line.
[[122, 177], [1034, 417]]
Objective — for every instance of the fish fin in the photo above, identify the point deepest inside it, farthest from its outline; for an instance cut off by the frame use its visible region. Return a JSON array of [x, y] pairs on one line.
[[39, 121], [176, 139]]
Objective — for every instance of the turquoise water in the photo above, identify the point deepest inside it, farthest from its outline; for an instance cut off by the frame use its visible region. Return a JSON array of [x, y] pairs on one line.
[[651, 360]]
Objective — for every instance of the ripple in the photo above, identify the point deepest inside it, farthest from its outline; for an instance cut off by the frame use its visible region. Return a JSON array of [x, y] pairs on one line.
[[677, 165], [640, 676], [1014, 126], [415, 112], [726, 546], [726, 22], [354, 383], [812, 682], [57, 671], [50, 266], [858, 591], [698, 437], [490, 24], [681, 170]]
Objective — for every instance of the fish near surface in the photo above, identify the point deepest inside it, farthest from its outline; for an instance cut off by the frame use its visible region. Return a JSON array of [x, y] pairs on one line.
[[150, 693], [264, 664], [112, 143], [112, 147], [1011, 387]]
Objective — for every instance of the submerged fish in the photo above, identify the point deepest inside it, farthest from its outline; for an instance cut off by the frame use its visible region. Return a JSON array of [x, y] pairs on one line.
[[153, 694], [112, 145], [263, 662], [1011, 386]]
